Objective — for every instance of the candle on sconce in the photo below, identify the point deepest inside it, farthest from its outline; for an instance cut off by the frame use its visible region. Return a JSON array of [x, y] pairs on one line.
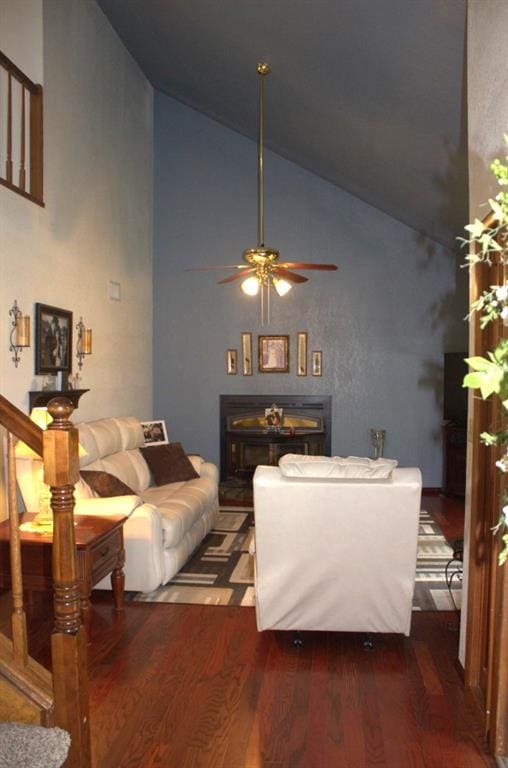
[[86, 342], [23, 331]]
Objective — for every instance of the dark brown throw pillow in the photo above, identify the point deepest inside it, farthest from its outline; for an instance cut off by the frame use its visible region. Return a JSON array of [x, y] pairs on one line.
[[105, 484], [168, 463]]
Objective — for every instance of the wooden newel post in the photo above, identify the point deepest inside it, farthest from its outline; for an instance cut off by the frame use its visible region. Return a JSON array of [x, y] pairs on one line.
[[68, 642]]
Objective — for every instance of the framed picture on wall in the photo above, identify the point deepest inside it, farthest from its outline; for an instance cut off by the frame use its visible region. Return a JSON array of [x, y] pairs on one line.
[[53, 339], [301, 353], [317, 363], [273, 354], [247, 354], [232, 362]]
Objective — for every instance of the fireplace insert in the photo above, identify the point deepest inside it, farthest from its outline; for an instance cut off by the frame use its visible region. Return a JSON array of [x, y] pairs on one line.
[[249, 438]]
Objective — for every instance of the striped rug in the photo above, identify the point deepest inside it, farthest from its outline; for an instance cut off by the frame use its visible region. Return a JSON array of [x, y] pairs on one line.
[[221, 570]]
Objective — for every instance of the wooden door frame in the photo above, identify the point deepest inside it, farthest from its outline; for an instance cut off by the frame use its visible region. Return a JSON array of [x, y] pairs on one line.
[[486, 659]]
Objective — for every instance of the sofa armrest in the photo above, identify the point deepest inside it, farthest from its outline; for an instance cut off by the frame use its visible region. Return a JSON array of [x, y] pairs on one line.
[[113, 505], [209, 470], [143, 540]]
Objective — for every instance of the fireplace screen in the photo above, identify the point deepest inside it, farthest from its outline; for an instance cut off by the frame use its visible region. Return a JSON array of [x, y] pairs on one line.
[[247, 440]]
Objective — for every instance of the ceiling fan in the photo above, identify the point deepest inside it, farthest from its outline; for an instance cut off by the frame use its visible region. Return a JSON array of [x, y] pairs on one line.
[[262, 270]]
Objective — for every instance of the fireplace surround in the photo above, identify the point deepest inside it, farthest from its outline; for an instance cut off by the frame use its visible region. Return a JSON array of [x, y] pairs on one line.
[[247, 442]]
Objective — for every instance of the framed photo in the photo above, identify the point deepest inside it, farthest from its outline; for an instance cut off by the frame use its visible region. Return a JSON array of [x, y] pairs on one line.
[[53, 339], [273, 354], [273, 417], [317, 363], [232, 362], [155, 432], [247, 354], [301, 353]]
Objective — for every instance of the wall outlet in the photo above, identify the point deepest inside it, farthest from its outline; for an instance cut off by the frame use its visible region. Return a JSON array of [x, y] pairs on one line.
[[114, 290]]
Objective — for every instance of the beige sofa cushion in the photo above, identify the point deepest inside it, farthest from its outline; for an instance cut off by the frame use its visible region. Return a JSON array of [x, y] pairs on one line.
[[181, 505]]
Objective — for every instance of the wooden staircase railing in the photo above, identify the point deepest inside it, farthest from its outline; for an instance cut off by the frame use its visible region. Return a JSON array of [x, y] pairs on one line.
[[21, 141], [28, 692]]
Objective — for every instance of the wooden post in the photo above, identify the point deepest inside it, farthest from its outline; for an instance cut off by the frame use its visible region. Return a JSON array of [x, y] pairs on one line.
[[36, 144], [19, 640], [68, 642], [8, 161]]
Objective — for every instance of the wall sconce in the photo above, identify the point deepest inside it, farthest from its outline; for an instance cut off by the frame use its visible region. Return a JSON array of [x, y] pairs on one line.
[[20, 332], [84, 343]]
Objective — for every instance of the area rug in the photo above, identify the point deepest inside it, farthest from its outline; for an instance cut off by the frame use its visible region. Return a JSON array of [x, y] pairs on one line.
[[221, 570]]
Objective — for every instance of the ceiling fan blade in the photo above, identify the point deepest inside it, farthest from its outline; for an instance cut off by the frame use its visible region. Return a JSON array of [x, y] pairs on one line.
[[306, 265], [215, 266], [285, 274], [238, 275]]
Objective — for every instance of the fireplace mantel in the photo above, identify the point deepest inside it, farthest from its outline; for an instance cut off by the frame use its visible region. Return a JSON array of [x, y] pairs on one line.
[[246, 442]]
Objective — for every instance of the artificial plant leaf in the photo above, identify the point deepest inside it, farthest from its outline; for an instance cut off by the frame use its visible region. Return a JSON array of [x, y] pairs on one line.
[[478, 363], [476, 228], [496, 208]]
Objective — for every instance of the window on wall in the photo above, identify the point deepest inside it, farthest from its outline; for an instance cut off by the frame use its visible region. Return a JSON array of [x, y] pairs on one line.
[[21, 153]]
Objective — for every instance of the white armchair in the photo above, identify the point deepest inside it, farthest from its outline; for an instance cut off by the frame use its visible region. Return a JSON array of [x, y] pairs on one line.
[[335, 554]]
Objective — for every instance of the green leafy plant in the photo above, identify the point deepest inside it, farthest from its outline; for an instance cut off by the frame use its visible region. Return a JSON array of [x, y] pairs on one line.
[[488, 243]]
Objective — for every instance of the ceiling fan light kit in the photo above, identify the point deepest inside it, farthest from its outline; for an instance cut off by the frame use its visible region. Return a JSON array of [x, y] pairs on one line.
[[263, 270]]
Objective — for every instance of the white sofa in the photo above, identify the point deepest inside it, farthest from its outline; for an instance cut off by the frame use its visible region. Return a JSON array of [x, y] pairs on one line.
[[165, 524], [335, 554]]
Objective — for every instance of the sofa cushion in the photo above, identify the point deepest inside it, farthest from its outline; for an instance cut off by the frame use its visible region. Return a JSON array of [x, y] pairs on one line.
[[336, 467], [105, 484], [131, 432], [105, 437], [129, 466], [181, 505], [99, 438], [168, 463]]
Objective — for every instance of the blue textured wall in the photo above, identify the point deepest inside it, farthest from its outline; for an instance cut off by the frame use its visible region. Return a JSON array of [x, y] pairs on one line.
[[383, 320]]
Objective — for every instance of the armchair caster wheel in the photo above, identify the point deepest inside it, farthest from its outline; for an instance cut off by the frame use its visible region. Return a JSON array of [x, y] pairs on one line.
[[297, 640], [368, 642]]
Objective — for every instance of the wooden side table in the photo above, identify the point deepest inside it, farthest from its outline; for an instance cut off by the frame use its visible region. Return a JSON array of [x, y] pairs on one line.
[[100, 551]]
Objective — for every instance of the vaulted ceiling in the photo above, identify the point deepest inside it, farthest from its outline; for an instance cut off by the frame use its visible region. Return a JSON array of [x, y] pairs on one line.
[[368, 94]]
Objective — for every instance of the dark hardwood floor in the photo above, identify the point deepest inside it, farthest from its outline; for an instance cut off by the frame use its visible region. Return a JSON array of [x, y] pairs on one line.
[[175, 686], [448, 512]]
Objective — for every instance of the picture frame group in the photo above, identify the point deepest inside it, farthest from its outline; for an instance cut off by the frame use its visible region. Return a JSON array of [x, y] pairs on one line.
[[274, 355]]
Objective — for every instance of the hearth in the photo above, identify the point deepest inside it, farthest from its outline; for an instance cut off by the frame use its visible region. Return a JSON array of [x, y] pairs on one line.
[[247, 440]]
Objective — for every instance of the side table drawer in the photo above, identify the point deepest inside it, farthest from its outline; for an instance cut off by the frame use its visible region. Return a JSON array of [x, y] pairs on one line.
[[104, 556]]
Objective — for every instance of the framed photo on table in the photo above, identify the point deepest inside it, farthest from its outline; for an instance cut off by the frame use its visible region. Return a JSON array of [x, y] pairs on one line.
[[273, 354], [53, 339], [155, 432]]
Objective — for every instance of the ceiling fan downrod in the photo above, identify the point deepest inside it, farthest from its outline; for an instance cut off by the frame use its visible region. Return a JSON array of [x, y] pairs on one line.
[[263, 70]]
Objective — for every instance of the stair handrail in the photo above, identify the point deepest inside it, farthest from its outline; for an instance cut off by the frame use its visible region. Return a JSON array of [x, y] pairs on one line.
[[20, 425], [58, 446]]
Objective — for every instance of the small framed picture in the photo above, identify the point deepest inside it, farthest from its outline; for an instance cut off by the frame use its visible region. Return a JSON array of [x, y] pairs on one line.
[[301, 353], [273, 417], [53, 339], [247, 354], [317, 363], [155, 432], [273, 354], [232, 362]]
